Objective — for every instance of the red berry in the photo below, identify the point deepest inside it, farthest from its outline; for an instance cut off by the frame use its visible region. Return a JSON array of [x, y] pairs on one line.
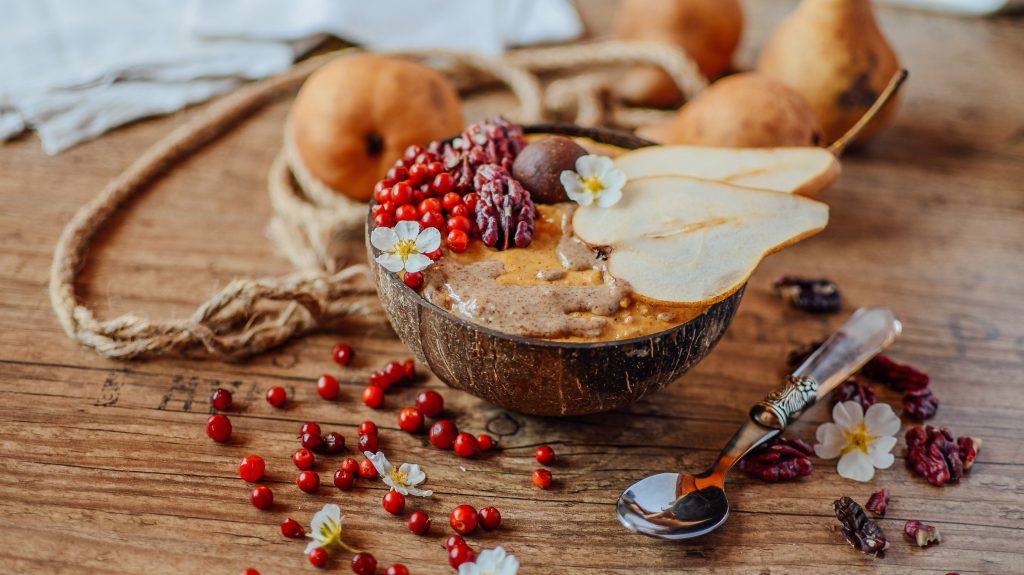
[[431, 219], [410, 420], [384, 220], [542, 478], [418, 173], [380, 379], [470, 200], [430, 205], [485, 442], [397, 569], [394, 372], [460, 554], [342, 354], [364, 564], [443, 184], [309, 427], [381, 192], [276, 396], [406, 213], [291, 529], [419, 522], [308, 481], [373, 396], [369, 443], [367, 428], [327, 387], [454, 541], [490, 518], [318, 557], [430, 403], [411, 152], [389, 208], [442, 434], [409, 367], [450, 200], [350, 465], [413, 279], [463, 519], [334, 442], [262, 497], [460, 223], [377, 209], [418, 195], [460, 210], [544, 454], [344, 480], [393, 502], [457, 241], [435, 168], [367, 470], [251, 468], [401, 194], [250, 571], [312, 441], [435, 255], [218, 427], [465, 445], [221, 399], [303, 459]]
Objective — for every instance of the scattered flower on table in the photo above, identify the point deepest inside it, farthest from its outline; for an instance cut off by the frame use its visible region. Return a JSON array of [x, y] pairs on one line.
[[862, 441], [403, 478], [405, 246], [325, 530], [491, 562], [596, 180]]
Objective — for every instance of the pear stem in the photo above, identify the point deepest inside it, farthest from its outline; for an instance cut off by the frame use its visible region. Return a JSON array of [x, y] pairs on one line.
[[839, 146]]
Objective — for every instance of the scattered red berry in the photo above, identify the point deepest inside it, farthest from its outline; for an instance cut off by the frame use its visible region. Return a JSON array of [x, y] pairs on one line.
[[490, 518], [465, 445], [410, 420], [394, 372], [276, 396], [413, 279], [381, 192], [396, 173], [369, 443], [221, 399], [450, 200], [460, 210], [544, 454], [470, 200], [309, 427], [373, 396], [364, 564], [409, 367], [411, 152], [262, 497], [218, 427], [380, 379], [342, 353], [367, 428], [334, 442], [430, 403], [251, 468], [460, 554], [419, 522], [485, 442], [430, 205], [291, 529], [401, 194], [397, 569], [457, 241], [542, 478], [443, 184], [350, 465], [327, 387], [442, 433], [393, 502], [303, 459], [431, 219], [463, 519], [454, 541], [318, 557], [384, 220], [250, 571], [367, 470], [459, 223], [407, 213], [308, 481], [418, 173], [435, 255], [312, 441], [344, 480]]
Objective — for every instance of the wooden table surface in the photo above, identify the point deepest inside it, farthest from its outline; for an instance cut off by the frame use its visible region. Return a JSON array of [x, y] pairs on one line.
[[105, 467]]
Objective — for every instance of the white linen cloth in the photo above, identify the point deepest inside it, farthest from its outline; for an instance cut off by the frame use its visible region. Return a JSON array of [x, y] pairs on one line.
[[73, 69]]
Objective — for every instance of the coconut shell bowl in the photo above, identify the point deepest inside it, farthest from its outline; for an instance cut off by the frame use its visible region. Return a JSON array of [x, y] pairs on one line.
[[543, 377]]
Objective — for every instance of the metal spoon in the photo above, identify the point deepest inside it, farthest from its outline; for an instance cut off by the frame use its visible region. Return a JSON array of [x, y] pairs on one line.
[[682, 506]]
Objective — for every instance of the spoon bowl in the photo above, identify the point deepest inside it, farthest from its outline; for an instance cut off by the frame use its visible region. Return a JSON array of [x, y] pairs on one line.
[[650, 507]]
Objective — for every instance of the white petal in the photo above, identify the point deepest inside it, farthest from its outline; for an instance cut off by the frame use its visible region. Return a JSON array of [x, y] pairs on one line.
[[391, 262], [571, 181], [393, 484], [581, 197], [510, 566], [384, 239], [379, 461], [428, 240], [470, 569], [855, 465], [604, 167], [407, 229], [325, 522], [881, 420], [418, 492], [831, 441], [879, 453], [488, 559], [589, 166], [417, 262], [848, 415], [614, 179], [609, 198], [414, 475]]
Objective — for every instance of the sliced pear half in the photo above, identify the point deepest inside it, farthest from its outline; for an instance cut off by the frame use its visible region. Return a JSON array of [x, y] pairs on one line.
[[689, 242], [800, 170]]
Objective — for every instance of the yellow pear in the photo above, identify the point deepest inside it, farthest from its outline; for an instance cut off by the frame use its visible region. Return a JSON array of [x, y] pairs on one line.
[[833, 53]]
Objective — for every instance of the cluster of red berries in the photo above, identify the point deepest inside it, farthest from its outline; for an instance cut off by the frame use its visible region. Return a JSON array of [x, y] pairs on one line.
[[464, 519], [381, 380], [444, 435], [545, 456]]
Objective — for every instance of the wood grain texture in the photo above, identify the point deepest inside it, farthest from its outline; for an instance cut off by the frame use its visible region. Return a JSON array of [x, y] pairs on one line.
[[106, 468]]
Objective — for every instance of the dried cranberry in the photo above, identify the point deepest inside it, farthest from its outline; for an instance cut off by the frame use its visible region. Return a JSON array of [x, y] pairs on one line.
[[922, 533], [855, 389], [921, 404], [879, 502], [779, 459], [898, 376], [504, 213], [934, 454], [814, 296], [861, 532]]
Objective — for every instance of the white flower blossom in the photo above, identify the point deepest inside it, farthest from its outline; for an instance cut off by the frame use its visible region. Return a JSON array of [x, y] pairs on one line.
[[405, 246], [862, 441], [491, 562], [325, 530], [403, 478], [595, 180]]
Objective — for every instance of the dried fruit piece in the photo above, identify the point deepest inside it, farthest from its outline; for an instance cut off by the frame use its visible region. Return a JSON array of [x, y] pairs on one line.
[[495, 141], [855, 389], [934, 454], [504, 213], [898, 376], [922, 533], [921, 404], [879, 502], [969, 448], [861, 532], [814, 296], [779, 459]]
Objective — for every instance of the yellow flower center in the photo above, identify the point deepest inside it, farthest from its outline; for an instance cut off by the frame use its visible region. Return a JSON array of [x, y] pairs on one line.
[[398, 476], [859, 438], [405, 248], [593, 184]]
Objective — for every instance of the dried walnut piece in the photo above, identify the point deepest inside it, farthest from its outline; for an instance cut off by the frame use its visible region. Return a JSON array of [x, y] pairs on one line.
[[779, 459], [814, 296], [922, 533], [921, 404], [933, 454], [504, 213], [855, 389], [864, 534], [495, 141], [879, 502]]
